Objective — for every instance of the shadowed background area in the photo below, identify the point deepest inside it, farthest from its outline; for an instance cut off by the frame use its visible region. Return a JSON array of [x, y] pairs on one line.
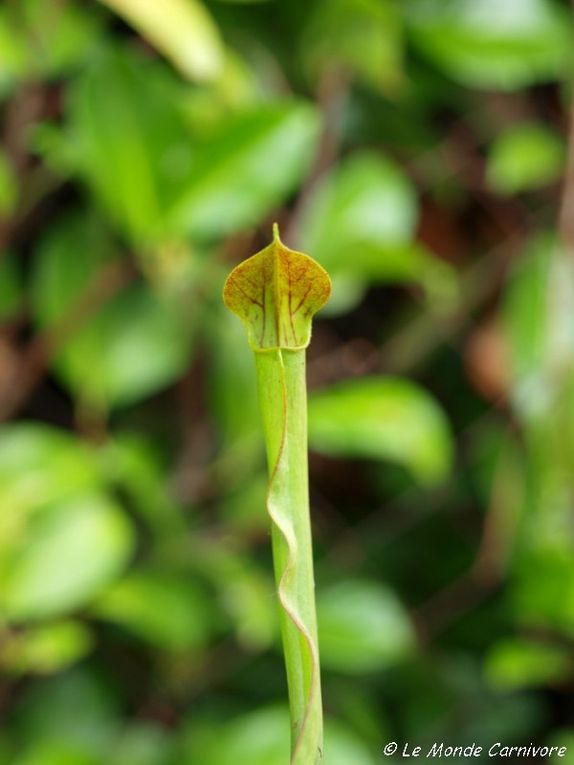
[[419, 151]]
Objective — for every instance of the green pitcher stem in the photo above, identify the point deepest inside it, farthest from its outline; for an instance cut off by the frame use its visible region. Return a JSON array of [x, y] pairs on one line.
[[275, 293], [283, 399]]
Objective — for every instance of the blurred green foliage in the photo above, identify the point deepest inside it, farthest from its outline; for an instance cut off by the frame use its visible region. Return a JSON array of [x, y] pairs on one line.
[[415, 149]]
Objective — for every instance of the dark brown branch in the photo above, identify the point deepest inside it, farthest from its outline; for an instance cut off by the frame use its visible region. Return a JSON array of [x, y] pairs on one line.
[[566, 218], [37, 356], [332, 95]]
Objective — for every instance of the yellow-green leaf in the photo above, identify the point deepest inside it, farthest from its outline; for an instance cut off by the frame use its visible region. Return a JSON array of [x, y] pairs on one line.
[[182, 30]]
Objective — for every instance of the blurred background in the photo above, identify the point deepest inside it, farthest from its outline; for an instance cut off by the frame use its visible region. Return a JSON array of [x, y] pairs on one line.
[[418, 150]]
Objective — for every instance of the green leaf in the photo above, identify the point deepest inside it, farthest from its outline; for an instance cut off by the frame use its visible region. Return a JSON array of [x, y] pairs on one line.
[[563, 738], [539, 325], [246, 168], [232, 376], [136, 336], [525, 157], [366, 199], [518, 663], [123, 114], [343, 747], [47, 648], [14, 56], [526, 315], [11, 287], [181, 29], [8, 187], [503, 44], [57, 753], [40, 465], [245, 592], [242, 507], [142, 744], [132, 463], [128, 114], [360, 226], [67, 556], [262, 738], [382, 418], [140, 345], [363, 37], [362, 627], [247, 596], [36, 43], [45, 710], [543, 593], [58, 41], [181, 622]]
